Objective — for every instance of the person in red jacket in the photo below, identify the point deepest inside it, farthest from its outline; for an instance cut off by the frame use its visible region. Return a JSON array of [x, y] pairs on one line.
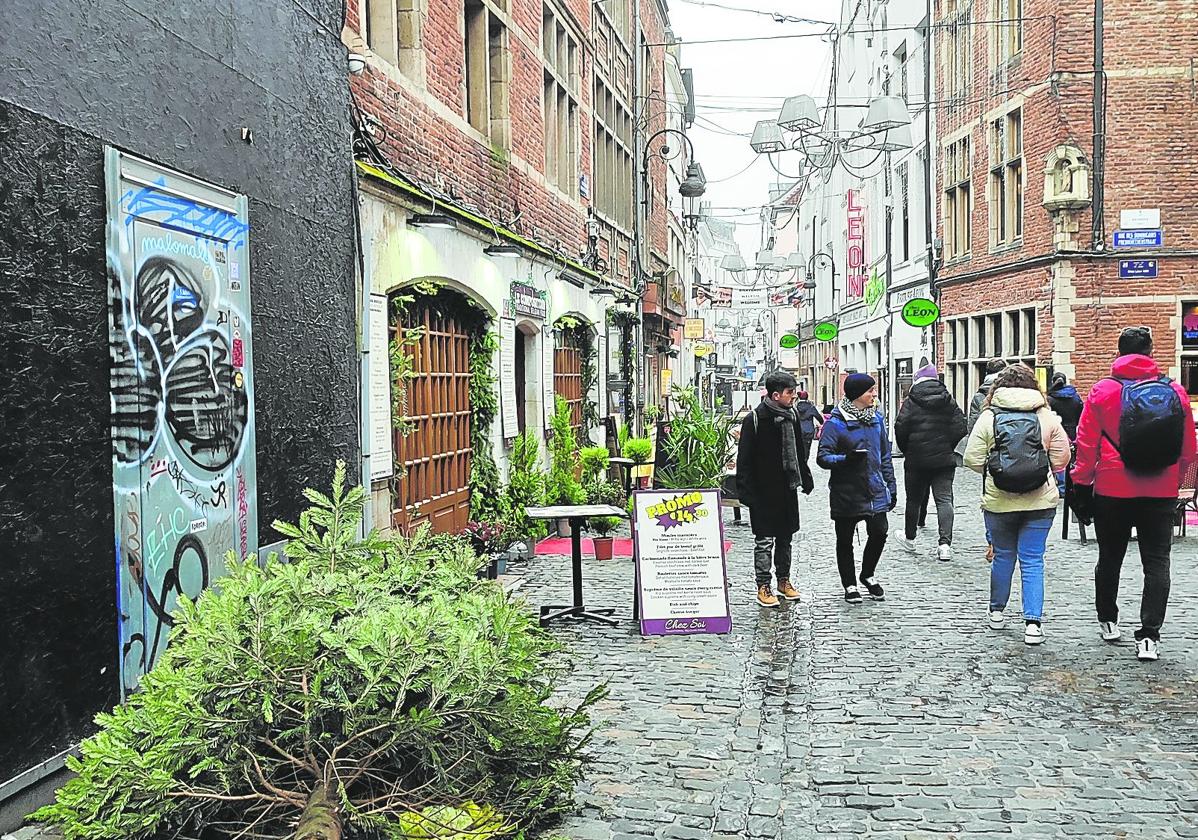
[[1117, 497]]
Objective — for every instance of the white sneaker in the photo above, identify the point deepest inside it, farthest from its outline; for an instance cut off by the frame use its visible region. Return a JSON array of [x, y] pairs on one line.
[[906, 544], [945, 552], [997, 620], [1110, 631], [1033, 634], [1147, 650]]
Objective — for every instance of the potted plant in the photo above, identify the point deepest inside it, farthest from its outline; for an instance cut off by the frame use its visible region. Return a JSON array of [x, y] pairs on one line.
[[602, 527], [488, 539], [638, 450], [564, 487], [526, 488], [595, 461]]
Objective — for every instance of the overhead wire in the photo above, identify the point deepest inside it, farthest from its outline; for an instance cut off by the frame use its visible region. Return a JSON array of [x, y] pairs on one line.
[[677, 42]]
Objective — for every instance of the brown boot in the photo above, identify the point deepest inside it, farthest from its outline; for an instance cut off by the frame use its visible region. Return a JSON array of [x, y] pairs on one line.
[[989, 553], [766, 597], [787, 591]]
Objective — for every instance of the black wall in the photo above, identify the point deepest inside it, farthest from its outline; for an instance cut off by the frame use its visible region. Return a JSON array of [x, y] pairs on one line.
[[173, 81]]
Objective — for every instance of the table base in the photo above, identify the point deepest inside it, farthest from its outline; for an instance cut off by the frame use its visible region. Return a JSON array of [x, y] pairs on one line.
[[556, 612]]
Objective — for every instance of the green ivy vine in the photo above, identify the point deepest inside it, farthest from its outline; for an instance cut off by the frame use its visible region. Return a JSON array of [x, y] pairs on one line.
[[486, 501], [626, 322], [578, 333]]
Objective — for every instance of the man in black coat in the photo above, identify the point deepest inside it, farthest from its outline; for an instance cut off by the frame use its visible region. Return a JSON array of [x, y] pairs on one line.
[[809, 418], [928, 427], [771, 466]]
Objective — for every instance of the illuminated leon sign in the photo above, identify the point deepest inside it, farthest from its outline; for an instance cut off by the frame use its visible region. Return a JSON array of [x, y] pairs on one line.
[[856, 245]]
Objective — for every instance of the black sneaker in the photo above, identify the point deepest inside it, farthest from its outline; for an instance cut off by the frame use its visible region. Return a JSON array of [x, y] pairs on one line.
[[875, 589], [852, 594]]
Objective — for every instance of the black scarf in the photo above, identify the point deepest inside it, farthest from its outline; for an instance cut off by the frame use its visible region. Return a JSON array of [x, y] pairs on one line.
[[790, 450]]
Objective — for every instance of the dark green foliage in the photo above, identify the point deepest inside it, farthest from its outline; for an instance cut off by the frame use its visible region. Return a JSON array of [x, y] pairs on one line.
[[564, 487], [698, 446], [366, 680], [487, 503], [638, 449], [526, 486], [595, 460]]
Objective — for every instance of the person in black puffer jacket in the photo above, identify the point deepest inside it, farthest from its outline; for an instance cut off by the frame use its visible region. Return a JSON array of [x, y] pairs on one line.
[[1065, 401], [928, 427]]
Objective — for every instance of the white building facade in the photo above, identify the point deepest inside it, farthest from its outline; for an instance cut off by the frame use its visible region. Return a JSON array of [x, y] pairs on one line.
[[864, 277]]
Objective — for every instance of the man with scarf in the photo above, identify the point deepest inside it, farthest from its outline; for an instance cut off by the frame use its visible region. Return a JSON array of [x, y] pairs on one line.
[[771, 466], [854, 446]]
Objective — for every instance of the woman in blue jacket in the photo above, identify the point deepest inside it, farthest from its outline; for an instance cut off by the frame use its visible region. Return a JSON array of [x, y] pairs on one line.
[[855, 447]]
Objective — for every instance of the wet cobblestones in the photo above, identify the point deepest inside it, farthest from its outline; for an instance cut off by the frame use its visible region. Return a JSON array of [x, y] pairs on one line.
[[903, 719]]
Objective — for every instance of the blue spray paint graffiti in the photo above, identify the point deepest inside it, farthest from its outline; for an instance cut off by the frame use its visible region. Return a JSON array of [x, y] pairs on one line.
[[182, 402], [183, 214]]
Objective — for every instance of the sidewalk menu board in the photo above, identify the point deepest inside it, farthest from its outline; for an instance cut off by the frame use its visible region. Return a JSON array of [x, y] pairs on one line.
[[681, 571]]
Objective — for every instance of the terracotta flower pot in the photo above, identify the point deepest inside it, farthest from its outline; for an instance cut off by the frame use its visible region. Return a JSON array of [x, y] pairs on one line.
[[604, 547]]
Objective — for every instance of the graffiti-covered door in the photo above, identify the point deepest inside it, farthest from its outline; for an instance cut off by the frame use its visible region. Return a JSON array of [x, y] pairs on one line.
[[182, 386]]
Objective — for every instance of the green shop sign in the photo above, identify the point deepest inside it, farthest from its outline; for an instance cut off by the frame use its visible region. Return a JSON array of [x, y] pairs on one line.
[[920, 312], [827, 331], [875, 290], [788, 341]]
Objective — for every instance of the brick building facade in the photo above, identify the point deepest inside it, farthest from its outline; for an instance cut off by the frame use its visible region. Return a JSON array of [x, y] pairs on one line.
[[514, 124], [1027, 271]]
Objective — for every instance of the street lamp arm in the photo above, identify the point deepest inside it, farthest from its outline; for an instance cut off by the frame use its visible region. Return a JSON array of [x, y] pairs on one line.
[[664, 153]]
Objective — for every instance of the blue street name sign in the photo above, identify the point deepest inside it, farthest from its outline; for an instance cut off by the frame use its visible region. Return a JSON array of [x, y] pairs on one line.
[[1139, 238], [1129, 269]]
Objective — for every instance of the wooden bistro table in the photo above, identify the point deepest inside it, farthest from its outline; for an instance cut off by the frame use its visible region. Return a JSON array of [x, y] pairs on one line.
[[577, 514]]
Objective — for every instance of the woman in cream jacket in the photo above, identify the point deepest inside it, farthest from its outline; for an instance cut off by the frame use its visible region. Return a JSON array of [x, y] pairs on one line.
[[1019, 522]]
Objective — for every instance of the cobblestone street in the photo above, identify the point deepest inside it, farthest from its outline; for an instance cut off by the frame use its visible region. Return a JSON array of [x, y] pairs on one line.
[[908, 718]]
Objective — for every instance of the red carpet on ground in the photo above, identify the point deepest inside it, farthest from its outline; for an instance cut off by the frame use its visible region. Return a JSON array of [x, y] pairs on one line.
[[622, 547]]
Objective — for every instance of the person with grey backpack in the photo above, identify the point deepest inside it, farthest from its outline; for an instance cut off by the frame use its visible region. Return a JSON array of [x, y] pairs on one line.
[[1017, 444]]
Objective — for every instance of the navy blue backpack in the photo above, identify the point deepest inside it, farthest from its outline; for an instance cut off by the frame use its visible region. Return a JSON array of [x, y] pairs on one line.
[[1151, 425]]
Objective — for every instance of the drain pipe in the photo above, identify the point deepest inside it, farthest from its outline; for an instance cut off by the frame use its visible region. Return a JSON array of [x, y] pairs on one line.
[[1097, 220]]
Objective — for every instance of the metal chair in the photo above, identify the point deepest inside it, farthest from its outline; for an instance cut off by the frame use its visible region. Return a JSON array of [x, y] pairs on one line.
[[1187, 497]]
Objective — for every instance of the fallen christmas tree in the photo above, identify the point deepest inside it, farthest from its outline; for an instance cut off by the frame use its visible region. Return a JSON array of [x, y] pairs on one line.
[[365, 688]]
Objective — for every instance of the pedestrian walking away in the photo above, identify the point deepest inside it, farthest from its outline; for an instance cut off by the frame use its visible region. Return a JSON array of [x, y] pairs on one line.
[[1017, 444], [1135, 441], [809, 418], [928, 427], [854, 447], [771, 467], [1065, 401], [976, 404]]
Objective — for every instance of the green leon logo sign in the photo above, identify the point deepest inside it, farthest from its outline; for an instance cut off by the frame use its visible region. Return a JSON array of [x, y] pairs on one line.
[[920, 312], [875, 290], [788, 341], [827, 331]]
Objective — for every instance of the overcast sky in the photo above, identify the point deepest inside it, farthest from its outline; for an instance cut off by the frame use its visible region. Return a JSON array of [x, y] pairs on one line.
[[748, 75]]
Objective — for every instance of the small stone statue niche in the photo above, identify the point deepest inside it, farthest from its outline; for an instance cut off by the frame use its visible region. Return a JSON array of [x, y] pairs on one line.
[[1066, 180]]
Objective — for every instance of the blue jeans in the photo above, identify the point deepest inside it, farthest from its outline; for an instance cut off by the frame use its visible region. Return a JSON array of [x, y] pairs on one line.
[[1023, 535]]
